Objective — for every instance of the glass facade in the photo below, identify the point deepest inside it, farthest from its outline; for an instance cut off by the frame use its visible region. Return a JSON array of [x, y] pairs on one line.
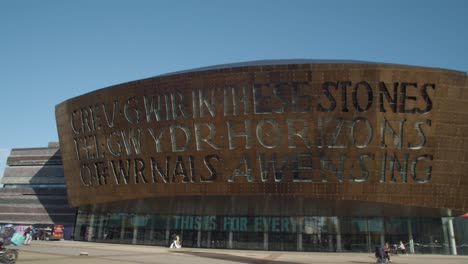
[[424, 235]]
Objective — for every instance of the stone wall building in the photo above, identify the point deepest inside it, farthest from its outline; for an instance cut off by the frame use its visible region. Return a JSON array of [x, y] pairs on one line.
[[34, 190]]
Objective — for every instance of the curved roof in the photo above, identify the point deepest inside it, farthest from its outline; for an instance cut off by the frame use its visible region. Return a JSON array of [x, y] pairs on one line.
[[270, 62]]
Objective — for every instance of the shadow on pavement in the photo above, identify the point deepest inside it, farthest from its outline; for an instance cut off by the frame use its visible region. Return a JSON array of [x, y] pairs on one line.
[[242, 259]]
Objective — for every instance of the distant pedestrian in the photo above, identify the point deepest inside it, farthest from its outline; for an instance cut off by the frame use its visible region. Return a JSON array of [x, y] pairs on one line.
[[402, 248], [28, 233], [174, 240], [178, 243], [40, 234], [387, 251], [395, 249], [379, 253]]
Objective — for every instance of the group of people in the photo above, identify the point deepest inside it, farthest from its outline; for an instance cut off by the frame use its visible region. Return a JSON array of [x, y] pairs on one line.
[[7, 233], [382, 252]]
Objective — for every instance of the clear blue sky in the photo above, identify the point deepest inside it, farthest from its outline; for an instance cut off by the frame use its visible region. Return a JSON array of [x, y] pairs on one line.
[[53, 50]]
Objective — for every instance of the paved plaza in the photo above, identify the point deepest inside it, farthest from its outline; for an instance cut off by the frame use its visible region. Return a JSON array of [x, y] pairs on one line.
[[72, 252]]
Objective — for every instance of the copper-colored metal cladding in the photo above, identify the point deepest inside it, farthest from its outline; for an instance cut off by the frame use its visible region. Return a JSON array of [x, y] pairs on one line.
[[332, 130]]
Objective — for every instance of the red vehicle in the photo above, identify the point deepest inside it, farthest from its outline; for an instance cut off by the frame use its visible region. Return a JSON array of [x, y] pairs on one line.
[[57, 232], [48, 233]]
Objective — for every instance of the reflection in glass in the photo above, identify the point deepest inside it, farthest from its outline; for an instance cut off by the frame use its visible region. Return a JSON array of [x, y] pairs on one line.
[[295, 233]]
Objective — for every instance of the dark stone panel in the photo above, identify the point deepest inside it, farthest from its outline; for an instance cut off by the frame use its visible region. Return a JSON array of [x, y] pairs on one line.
[[35, 172], [33, 180], [46, 191], [44, 202], [33, 161], [35, 209], [34, 156], [38, 219]]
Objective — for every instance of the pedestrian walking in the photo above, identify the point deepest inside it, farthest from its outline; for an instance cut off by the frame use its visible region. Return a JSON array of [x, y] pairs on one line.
[[28, 234], [379, 253], [387, 252], [402, 248]]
